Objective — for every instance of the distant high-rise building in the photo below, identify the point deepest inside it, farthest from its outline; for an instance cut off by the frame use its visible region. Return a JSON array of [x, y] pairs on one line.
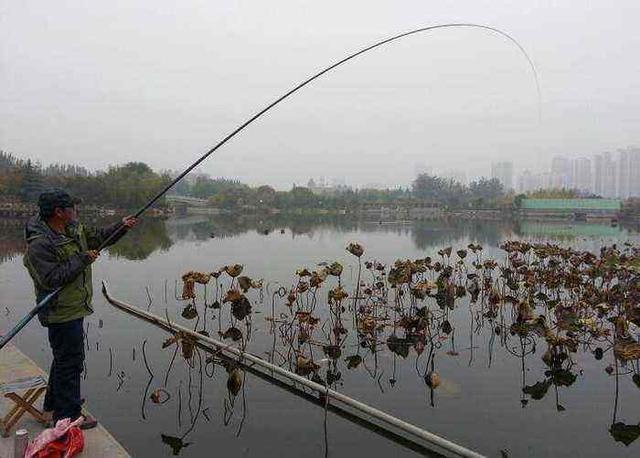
[[582, 179], [598, 173], [623, 174], [609, 176], [528, 181], [503, 171], [634, 171], [561, 172]]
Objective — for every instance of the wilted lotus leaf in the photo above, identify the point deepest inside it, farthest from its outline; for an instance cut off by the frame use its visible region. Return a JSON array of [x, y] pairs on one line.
[[627, 350], [234, 382], [633, 315], [197, 277], [305, 366], [332, 351], [175, 443], [353, 361], [241, 308], [445, 251], [624, 433], [474, 290], [187, 345], [232, 295], [366, 324], [303, 272], [399, 275], [317, 278], [234, 270], [159, 396], [490, 264], [432, 379], [562, 377], [244, 283], [189, 312], [494, 296], [170, 341], [355, 249], [337, 294], [398, 346], [422, 289], [537, 390], [525, 312], [188, 289], [232, 333], [305, 317], [335, 269]]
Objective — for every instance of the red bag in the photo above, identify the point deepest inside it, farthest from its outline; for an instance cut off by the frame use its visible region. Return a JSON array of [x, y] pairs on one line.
[[67, 446]]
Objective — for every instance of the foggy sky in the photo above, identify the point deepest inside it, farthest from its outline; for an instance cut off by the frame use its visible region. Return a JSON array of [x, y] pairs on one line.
[[99, 83]]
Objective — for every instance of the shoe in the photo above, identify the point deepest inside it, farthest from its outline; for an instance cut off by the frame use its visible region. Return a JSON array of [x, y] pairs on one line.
[[89, 422]]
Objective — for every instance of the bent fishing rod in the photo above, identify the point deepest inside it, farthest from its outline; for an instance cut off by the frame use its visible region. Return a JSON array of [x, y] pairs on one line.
[[48, 298]]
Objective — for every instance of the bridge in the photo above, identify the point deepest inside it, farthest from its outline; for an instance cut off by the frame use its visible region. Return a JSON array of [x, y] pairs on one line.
[[186, 201]]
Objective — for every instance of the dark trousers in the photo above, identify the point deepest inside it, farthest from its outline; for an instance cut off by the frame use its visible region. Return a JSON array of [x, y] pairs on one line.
[[63, 393]]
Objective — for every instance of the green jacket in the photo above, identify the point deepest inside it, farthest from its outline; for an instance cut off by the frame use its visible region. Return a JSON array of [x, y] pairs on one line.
[[55, 260]]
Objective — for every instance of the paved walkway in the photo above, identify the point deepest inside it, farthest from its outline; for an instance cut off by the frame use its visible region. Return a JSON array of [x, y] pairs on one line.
[[15, 365]]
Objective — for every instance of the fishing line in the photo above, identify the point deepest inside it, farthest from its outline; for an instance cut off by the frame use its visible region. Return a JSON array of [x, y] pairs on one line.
[[328, 69], [6, 338]]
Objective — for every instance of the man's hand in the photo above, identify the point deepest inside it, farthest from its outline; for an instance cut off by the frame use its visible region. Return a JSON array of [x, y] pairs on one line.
[[129, 221], [93, 255]]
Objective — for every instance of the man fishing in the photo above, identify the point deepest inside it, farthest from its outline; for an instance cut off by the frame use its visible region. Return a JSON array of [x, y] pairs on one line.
[[60, 251]]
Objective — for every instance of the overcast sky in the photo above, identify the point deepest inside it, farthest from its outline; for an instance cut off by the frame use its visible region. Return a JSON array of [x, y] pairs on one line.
[[98, 83]]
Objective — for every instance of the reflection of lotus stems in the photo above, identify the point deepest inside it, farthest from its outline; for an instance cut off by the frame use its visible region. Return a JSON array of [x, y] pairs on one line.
[[110, 362], [179, 404], [149, 298], [146, 390]]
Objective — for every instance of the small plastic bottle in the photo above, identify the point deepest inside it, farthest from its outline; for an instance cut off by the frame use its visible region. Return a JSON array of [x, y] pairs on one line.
[[20, 442]]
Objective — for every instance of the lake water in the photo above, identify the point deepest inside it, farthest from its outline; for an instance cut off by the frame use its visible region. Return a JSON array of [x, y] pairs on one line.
[[480, 403]]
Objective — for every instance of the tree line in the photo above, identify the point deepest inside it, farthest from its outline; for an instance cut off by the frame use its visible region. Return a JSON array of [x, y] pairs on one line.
[[125, 186], [131, 185]]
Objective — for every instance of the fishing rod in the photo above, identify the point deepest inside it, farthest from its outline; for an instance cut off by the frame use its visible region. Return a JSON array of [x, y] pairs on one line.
[[43, 303]]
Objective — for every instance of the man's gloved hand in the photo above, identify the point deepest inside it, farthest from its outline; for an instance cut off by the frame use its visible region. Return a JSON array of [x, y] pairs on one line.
[[129, 221], [93, 254]]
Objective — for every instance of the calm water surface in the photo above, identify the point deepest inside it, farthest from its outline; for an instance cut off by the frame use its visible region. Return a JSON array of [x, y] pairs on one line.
[[480, 403]]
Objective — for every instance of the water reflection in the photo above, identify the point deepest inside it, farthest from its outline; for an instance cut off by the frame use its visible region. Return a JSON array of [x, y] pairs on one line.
[[11, 239], [154, 235], [149, 237]]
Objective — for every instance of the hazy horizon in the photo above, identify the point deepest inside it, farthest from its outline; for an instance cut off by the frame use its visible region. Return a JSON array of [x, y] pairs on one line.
[[96, 84]]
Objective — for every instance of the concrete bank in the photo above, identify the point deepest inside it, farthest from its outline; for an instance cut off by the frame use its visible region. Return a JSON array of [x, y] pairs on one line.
[[15, 365]]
